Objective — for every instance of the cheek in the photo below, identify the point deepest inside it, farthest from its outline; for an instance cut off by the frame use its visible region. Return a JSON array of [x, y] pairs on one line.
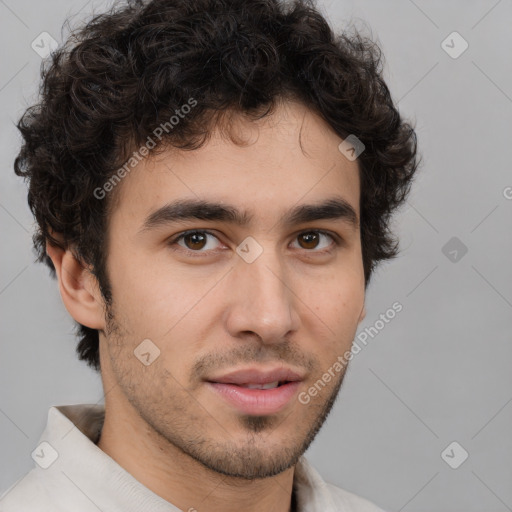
[[160, 307], [145, 294], [333, 313]]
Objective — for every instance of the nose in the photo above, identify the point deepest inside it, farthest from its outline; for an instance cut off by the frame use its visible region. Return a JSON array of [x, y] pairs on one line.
[[262, 299]]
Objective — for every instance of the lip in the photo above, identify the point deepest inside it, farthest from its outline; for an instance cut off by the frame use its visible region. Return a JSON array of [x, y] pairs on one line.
[[257, 401], [258, 376]]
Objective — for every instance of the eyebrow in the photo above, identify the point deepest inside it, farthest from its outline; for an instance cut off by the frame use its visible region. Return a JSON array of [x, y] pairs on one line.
[[198, 209]]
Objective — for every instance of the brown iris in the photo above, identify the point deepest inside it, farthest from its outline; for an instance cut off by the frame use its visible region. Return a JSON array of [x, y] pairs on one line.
[[197, 240], [310, 238]]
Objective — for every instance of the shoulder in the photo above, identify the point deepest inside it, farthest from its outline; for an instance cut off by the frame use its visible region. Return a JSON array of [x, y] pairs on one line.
[[349, 501], [27, 494]]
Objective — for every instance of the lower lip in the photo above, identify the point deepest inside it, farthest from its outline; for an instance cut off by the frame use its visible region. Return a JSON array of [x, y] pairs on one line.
[[256, 401]]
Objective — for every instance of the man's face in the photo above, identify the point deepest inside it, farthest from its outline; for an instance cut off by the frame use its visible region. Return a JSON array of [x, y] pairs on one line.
[[222, 320]]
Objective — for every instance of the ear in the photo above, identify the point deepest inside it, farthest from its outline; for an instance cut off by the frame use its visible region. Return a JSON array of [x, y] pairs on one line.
[[78, 287]]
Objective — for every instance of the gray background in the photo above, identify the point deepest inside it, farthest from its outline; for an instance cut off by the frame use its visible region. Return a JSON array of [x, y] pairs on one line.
[[439, 371]]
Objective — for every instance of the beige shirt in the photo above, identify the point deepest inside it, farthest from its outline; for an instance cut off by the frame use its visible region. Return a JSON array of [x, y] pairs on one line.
[[71, 474]]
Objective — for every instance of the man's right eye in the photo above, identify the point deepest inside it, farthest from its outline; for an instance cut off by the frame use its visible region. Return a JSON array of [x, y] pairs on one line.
[[194, 241]]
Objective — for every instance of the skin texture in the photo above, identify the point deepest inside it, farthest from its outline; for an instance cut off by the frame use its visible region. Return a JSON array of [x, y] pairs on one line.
[[295, 306]]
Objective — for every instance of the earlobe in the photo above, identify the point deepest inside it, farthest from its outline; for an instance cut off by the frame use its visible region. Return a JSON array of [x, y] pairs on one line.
[[78, 288]]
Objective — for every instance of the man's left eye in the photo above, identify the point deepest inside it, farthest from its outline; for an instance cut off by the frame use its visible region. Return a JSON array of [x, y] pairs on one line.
[[311, 239]]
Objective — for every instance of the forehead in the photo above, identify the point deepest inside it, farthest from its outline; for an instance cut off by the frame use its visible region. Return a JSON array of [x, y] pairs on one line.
[[288, 158]]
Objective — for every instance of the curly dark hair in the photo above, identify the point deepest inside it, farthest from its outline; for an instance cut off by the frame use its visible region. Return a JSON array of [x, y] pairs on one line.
[[127, 71]]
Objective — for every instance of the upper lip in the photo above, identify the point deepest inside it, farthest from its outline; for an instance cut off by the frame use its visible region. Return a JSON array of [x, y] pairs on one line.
[[258, 376]]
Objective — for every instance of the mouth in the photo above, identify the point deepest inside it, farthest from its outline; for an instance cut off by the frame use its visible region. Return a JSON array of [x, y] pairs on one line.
[[270, 385], [256, 391]]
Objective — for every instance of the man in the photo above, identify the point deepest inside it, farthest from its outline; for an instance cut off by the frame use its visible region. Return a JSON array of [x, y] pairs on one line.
[[213, 183]]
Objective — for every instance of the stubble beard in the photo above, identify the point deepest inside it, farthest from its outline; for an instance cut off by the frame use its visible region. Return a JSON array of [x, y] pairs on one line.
[[249, 461]]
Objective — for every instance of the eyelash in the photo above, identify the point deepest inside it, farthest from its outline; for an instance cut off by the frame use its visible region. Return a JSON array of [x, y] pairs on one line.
[[180, 236]]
